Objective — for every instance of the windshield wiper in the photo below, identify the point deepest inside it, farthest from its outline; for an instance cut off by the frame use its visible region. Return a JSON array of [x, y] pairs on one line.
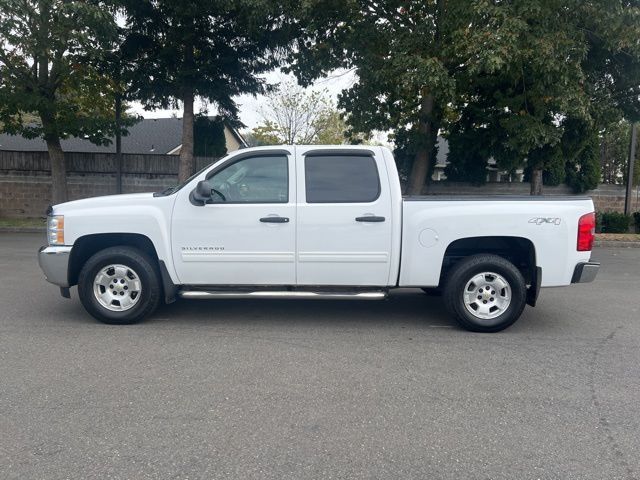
[[166, 191]]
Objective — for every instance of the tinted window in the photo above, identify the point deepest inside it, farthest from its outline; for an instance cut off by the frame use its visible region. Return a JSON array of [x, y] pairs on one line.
[[341, 179], [261, 179]]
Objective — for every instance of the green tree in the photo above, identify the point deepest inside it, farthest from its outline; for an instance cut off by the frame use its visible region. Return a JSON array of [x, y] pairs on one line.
[[614, 153], [475, 133], [404, 56], [529, 61], [542, 67], [514, 70], [334, 130], [208, 137], [264, 134], [580, 159], [292, 115], [206, 49], [47, 52]]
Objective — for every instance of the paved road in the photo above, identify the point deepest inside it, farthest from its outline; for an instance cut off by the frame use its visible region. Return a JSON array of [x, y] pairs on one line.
[[319, 389]]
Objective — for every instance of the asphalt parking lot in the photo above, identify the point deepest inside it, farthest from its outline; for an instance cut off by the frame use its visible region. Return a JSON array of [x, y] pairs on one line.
[[319, 389]]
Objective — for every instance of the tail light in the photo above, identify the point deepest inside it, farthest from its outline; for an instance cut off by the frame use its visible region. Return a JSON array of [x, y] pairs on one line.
[[586, 232]]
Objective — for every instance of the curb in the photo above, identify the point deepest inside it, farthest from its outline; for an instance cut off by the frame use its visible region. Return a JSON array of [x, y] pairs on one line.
[[614, 244]]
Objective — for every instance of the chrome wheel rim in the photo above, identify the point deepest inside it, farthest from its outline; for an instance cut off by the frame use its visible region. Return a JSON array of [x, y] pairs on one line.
[[487, 295], [117, 287]]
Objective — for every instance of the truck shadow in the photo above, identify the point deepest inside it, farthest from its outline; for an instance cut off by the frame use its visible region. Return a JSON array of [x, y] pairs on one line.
[[406, 308]]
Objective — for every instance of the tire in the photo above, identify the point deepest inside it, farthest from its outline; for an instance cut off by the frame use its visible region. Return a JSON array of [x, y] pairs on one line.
[[485, 293], [119, 285]]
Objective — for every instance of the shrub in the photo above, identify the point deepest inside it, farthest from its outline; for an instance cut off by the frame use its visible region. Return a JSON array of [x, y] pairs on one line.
[[598, 222], [636, 218], [614, 222]]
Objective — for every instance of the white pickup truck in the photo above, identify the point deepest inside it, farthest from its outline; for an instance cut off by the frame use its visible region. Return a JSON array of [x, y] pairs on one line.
[[315, 222]]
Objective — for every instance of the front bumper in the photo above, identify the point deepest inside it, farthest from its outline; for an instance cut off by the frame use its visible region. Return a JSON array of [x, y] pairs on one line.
[[54, 262], [585, 272]]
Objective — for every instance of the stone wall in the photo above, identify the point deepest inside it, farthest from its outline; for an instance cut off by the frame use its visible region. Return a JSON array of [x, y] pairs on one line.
[[25, 178], [25, 182], [29, 195]]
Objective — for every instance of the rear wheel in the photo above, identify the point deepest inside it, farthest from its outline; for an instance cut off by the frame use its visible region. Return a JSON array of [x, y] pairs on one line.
[[485, 293], [119, 285]]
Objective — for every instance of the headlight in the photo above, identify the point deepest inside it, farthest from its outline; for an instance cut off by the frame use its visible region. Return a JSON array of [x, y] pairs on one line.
[[55, 229]]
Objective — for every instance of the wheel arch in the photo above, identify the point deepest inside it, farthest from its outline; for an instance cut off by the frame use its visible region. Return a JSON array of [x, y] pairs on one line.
[[88, 245], [518, 250]]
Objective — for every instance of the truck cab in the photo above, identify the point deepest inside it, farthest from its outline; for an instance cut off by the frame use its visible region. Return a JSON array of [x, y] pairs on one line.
[[297, 216]]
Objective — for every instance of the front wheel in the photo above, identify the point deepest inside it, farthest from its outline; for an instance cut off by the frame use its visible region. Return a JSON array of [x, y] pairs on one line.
[[119, 285], [485, 293]]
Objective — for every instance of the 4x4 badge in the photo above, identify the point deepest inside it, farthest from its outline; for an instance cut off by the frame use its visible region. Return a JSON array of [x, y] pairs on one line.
[[543, 220]]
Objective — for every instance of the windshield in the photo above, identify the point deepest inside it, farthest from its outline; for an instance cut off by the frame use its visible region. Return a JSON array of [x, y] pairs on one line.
[[175, 188]]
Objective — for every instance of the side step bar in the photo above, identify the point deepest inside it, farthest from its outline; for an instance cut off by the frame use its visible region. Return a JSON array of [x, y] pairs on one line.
[[198, 294]]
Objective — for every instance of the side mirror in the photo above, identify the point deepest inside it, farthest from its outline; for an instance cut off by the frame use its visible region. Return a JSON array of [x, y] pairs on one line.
[[202, 194]]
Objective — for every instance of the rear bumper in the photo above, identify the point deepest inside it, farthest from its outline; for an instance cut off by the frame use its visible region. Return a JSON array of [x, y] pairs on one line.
[[585, 272], [54, 262]]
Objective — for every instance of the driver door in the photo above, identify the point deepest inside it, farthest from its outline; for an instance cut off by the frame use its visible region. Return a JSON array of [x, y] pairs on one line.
[[245, 234]]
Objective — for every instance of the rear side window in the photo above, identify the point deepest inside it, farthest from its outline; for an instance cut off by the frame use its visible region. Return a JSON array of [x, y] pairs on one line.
[[341, 179]]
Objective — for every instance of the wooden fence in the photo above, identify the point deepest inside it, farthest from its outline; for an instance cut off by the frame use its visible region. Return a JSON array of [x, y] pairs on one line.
[[96, 163]]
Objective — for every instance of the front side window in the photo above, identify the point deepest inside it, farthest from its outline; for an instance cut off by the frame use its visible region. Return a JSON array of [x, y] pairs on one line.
[[260, 179], [341, 179]]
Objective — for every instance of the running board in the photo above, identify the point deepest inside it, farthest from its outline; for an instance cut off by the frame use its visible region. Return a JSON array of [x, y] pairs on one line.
[[198, 294]]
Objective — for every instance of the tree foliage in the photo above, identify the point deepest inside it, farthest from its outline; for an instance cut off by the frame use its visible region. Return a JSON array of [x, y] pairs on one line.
[[208, 137], [579, 155], [404, 56], [47, 52], [292, 115], [498, 78], [264, 134], [566, 68], [203, 49], [614, 153]]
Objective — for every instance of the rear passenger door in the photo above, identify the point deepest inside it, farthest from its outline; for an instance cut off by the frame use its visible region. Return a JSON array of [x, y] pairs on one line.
[[343, 218]]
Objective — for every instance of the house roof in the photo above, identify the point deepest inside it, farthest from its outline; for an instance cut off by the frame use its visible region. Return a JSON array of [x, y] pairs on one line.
[[150, 135]]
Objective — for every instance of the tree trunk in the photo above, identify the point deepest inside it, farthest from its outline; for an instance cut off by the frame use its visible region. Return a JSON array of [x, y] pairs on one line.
[[58, 170], [420, 168], [631, 163], [56, 156], [536, 181], [118, 143], [603, 161], [186, 167]]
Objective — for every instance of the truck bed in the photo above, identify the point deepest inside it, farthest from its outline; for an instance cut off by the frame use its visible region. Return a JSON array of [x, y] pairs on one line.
[[432, 224]]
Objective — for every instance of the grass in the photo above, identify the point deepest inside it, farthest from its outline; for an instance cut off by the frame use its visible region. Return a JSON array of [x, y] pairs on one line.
[[23, 222]]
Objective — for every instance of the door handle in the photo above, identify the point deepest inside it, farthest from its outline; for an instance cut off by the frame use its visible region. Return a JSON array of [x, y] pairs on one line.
[[370, 218], [274, 219]]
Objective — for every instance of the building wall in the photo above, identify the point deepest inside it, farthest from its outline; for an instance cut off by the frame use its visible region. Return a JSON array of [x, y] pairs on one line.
[[25, 182], [230, 140]]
